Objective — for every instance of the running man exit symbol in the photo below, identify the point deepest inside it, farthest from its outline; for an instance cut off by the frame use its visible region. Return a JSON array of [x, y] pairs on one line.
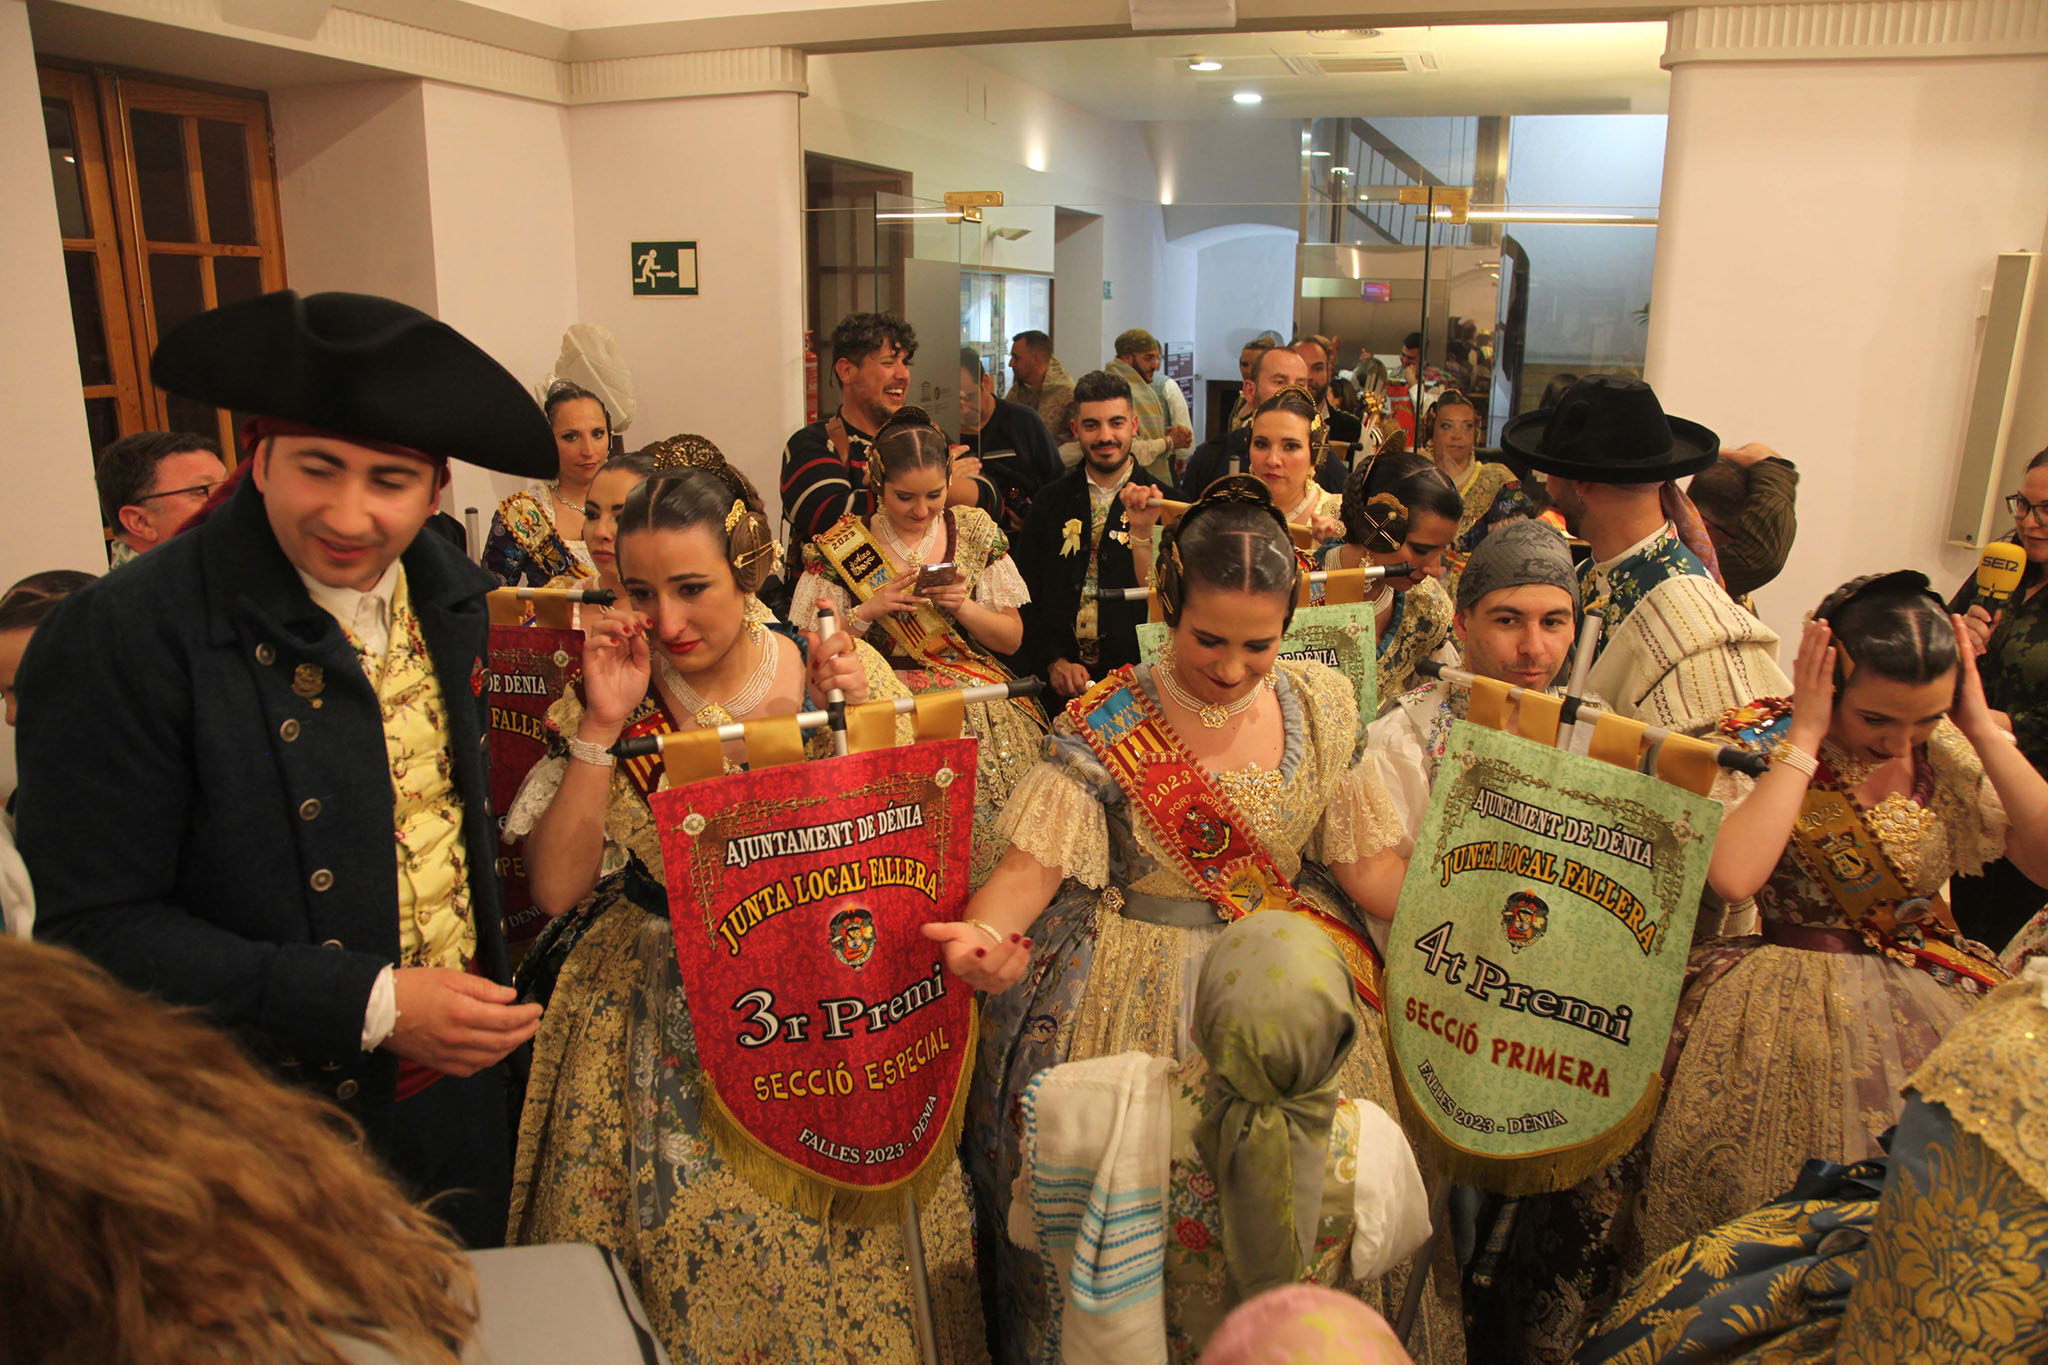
[[664, 267]]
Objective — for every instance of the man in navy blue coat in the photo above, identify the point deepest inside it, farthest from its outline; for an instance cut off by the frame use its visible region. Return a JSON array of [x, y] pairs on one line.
[[221, 744]]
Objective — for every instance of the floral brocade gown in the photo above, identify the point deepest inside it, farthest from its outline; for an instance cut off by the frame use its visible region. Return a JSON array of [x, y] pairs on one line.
[[1102, 982], [613, 1147], [1790, 1053]]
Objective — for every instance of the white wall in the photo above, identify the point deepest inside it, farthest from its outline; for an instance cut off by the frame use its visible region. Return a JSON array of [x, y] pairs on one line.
[[504, 241], [1818, 281], [53, 514], [727, 172]]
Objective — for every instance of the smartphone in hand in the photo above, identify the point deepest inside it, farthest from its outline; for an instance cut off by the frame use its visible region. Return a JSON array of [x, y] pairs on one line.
[[935, 576]]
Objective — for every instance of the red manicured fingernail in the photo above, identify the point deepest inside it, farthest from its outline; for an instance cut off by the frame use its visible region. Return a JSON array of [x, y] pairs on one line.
[[1016, 938], [1027, 943], [981, 952]]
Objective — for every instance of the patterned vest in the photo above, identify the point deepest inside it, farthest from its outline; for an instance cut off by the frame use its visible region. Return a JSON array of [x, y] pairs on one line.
[[434, 924]]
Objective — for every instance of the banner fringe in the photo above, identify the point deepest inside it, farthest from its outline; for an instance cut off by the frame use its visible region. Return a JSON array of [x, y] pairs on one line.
[[822, 1200], [1540, 1172]]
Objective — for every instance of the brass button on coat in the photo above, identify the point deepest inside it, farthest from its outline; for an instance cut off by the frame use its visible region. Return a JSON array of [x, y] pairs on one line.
[[288, 731], [322, 880], [333, 943], [309, 809], [266, 654], [346, 1090]]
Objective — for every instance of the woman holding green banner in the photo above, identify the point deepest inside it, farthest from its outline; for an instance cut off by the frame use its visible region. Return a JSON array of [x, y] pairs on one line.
[[1401, 509], [936, 634], [1175, 799], [619, 1145], [1890, 775]]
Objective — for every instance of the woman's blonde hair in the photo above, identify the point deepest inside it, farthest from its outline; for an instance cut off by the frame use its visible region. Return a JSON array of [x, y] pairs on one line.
[[161, 1199]]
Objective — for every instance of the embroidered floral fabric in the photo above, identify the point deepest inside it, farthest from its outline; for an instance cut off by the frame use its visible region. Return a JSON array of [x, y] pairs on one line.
[[524, 548]]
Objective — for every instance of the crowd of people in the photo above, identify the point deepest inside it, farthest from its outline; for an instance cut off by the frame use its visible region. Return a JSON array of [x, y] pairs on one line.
[[276, 703]]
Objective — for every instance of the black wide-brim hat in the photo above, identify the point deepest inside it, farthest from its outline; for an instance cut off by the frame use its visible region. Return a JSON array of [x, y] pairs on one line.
[[364, 367], [1608, 429]]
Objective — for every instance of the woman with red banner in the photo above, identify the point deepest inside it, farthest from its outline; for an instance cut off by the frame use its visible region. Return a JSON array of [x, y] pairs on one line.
[[1175, 799], [615, 1145], [606, 499], [936, 634]]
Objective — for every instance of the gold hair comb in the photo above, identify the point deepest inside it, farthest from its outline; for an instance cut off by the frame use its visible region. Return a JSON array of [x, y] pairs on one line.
[[732, 518]]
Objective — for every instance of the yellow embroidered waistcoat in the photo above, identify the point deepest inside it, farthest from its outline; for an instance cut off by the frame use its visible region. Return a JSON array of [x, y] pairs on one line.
[[435, 928]]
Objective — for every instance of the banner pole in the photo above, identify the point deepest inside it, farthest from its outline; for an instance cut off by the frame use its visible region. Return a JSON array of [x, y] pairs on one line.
[[646, 746], [913, 1232], [1367, 573]]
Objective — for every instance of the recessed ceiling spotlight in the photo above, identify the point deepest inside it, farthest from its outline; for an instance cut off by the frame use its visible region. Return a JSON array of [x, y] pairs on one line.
[[1248, 97], [1204, 64], [1344, 35]]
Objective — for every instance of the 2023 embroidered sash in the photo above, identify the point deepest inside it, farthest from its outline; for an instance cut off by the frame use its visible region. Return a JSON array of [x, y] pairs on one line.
[[1836, 844], [925, 634], [1198, 826]]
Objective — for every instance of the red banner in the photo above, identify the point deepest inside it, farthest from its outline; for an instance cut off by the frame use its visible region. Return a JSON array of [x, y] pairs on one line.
[[830, 1034], [530, 667]]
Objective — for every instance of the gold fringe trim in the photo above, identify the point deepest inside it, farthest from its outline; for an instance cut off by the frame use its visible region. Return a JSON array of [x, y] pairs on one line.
[[1545, 1172], [821, 1198]]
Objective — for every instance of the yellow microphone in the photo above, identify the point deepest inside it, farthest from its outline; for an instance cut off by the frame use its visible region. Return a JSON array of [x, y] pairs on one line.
[[1998, 574]]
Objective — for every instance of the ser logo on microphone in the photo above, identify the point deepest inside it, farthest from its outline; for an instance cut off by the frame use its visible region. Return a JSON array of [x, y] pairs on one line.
[[1998, 574]]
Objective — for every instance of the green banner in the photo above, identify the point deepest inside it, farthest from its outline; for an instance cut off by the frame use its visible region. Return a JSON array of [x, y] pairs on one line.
[[1340, 636], [1535, 962]]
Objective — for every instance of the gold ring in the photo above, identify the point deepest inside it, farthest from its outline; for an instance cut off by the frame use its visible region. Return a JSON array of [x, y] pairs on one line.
[[994, 934]]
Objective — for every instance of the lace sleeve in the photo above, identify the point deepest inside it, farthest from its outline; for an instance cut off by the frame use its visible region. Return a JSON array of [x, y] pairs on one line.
[[812, 588], [1392, 744], [1966, 801], [1361, 819], [536, 794], [1000, 585], [1053, 816]]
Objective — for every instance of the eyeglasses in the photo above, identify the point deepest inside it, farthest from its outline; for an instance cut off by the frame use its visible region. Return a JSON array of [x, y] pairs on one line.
[[2021, 509], [202, 489]]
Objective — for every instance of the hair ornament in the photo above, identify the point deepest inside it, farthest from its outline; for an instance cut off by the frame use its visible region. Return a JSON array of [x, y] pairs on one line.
[[734, 517]]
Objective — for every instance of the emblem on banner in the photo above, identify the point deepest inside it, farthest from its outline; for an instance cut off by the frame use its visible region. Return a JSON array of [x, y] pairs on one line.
[[852, 936], [1523, 919]]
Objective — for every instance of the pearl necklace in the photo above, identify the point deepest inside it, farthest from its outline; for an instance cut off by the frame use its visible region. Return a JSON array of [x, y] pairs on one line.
[[912, 559], [1212, 715], [710, 714]]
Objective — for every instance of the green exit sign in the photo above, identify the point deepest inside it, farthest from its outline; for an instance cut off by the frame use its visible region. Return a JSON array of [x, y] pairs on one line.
[[666, 268]]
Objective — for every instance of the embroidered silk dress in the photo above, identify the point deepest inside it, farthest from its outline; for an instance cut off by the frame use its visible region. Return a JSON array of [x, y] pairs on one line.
[[1798, 1046], [524, 548], [1011, 733], [1417, 628], [1103, 980], [1491, 494], [1935, 1255], [614, 1150]]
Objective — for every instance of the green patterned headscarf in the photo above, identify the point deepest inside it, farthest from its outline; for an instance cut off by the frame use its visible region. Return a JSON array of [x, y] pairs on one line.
[[1275, 1018]]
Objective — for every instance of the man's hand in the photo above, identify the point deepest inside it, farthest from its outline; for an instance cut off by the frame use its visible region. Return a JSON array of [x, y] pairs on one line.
[[1068, 678], [1179, 438], [1141, 508], [455, 1022]]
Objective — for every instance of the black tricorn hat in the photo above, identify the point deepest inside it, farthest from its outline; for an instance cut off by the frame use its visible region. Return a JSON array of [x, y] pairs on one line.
[[1608, 429], [364, 367]]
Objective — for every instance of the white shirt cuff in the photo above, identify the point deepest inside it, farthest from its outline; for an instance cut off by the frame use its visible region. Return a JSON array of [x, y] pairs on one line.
[[380, 1019]]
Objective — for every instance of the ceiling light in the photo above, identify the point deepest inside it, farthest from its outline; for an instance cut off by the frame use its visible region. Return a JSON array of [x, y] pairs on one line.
[[1248, 97], [1343, 35], [1322, 153], [1205, 64]]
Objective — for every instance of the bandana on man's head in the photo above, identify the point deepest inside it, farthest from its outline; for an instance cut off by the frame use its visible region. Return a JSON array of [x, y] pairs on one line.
[[1518, 554]]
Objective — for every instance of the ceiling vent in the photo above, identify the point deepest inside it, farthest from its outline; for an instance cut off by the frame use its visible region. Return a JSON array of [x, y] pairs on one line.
[[1383, 64]]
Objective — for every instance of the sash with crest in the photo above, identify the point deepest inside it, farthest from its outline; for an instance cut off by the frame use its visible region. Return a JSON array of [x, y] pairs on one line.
[[1835, 843], [925, 634], [1203, 832]]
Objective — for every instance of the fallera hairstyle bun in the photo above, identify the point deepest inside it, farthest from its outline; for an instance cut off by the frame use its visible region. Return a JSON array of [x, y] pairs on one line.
[[1234, 540], [713, 494]]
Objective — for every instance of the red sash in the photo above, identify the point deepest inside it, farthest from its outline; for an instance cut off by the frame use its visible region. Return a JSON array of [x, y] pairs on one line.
[[1204, 834]]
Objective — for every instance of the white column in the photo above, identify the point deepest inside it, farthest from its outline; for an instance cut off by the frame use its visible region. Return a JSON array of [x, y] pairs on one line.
[[1837, 180]]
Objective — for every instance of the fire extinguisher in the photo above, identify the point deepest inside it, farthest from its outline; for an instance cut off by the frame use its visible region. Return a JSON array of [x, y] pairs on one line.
[[810, 377]]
